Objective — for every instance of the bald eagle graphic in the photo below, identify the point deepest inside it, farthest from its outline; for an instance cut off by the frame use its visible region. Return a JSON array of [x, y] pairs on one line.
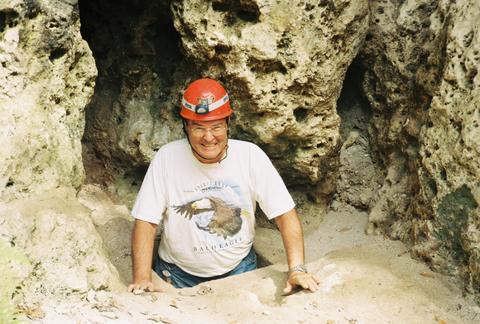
[[225, 221]]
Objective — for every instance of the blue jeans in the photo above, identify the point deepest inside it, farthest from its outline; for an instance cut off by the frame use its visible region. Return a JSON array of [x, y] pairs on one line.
[[181, 279]]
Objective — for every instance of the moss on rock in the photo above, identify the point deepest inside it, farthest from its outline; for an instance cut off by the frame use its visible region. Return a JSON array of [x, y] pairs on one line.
[[14, 267], [453, 214]]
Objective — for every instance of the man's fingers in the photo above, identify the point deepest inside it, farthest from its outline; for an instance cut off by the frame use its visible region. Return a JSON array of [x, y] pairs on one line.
[[288, 288], [306, 281], [150, 287], [312, 284], [317, 280], [299, 281], [303, 283], [135, 289], [144, 287]]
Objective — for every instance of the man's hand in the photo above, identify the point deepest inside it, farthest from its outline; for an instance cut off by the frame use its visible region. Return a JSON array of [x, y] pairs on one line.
[[292, 236], [144, 286], [300, 280], [143, 236]]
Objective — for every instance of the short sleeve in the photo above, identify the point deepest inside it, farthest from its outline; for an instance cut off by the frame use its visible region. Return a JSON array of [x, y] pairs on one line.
[[151, 199], [270, 190]]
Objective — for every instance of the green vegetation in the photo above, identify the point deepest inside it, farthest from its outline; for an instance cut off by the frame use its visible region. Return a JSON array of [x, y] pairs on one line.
[[10, 258], [7, 313]]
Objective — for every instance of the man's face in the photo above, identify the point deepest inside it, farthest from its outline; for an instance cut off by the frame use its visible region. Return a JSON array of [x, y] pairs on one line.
[[208, 139]]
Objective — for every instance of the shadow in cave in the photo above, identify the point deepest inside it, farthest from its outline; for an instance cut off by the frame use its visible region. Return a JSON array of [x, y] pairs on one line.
[[352, 107], [359, 173], [137, 54]]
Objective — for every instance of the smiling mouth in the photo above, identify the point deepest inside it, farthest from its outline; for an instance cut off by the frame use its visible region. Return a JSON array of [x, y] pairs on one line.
[[210, 146]]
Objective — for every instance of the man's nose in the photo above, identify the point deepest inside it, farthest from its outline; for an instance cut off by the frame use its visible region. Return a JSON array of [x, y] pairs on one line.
[[208, 135]]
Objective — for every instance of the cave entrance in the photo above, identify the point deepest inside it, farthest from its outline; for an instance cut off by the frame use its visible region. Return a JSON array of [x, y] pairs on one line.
[[359, 173], [352, 106], [132, 112]]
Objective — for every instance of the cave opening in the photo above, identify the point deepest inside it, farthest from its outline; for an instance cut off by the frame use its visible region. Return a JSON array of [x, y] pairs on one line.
[[352, 106], [139, 62], [360, 174]]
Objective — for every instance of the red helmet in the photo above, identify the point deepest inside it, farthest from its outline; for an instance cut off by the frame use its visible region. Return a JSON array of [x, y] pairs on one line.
[[205, 99]]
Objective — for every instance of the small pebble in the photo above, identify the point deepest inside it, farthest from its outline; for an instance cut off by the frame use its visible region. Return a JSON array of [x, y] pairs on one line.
[[91, 296]]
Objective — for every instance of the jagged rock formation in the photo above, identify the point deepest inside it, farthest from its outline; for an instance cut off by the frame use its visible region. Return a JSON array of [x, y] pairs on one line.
[[284, 67], [47, 77], [421, 62], [284, 70], [59, 251]]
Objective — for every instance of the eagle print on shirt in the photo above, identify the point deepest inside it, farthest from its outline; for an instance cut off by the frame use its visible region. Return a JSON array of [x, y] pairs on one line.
[[226, 219], [216, 208]]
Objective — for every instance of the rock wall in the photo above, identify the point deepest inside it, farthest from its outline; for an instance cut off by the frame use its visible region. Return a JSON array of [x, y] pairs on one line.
[[421, 60], [53, 247], [48, 244], [15, 267], [284, 64], [48, 75]]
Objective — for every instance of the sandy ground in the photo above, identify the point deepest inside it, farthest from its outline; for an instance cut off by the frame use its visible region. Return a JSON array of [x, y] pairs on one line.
[[364, 279]]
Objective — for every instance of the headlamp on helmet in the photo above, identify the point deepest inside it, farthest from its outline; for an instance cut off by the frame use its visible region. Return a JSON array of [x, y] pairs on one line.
[[205, 99]]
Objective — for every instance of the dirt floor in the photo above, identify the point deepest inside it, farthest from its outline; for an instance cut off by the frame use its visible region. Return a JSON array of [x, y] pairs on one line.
[[364, 279]]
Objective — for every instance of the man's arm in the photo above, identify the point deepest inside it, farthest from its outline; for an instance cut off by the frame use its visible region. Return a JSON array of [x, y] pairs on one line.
[[143, 238], [292, 236]]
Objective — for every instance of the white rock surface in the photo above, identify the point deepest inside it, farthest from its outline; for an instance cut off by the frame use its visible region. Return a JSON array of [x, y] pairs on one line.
[[48, 75]]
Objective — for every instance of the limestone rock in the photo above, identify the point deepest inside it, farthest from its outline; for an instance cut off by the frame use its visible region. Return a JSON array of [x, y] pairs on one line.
[[450, 150], [58, 237], [103, 209], [421, 60], [47, 73], [114, 225], [356, 184], [284, 64]]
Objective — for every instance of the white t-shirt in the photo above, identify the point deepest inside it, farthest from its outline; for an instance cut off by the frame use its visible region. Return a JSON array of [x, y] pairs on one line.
[[208, 209]]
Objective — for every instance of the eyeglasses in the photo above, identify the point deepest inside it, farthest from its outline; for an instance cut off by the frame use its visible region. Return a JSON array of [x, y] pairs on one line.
[[215, 131]]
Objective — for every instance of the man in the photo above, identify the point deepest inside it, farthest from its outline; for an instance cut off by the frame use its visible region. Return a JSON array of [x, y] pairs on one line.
[[204, 189]]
